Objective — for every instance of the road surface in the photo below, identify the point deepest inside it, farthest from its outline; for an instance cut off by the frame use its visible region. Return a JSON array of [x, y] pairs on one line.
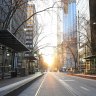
[[60, 84]]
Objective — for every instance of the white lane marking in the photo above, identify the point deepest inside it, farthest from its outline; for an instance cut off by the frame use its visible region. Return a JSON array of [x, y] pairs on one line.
[[67, 86], [84, 88], [63, 79], [37, 92], [68, 80]]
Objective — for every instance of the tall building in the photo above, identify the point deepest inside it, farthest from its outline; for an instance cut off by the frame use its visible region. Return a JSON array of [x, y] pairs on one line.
[[69, 34], [86, 35], [31, 36], [12, 41], [59, 35]]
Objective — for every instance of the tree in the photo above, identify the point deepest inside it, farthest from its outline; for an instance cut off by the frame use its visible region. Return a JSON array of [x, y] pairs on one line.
[[38, 38], [43, 65], [87, 35], [70, 51], [84, 32], [72, 43], [13, 7], [10, 8], [18, 7]]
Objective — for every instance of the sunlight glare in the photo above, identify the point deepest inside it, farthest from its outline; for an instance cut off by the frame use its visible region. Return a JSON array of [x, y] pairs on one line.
[[48, 60]]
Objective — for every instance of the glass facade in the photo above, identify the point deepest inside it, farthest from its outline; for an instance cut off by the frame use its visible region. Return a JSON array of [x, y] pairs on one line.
[[8, 56], [5, 61], [70, 35]]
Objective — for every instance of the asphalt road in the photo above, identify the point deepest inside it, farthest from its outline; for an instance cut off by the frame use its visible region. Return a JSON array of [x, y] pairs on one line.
[[60, 84]]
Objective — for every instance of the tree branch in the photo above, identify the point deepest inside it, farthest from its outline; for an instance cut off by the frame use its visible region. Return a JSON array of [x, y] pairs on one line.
[[32, 16]]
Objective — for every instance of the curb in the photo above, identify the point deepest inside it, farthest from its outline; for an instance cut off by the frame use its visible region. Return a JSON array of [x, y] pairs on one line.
[[86, 76], [15, 88]]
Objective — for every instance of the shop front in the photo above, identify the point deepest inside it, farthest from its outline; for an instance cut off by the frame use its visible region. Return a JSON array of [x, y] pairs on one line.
[[91, 64], [9, 46]]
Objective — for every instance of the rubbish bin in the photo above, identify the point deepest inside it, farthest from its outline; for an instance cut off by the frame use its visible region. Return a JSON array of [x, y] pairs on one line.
[[13, 74], [22, 72]]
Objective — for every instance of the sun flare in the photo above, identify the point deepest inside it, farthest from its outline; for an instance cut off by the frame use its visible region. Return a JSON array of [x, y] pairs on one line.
[[48, 60], [48, 55]]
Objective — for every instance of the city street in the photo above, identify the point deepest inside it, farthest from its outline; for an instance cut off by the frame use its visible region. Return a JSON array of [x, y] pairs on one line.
[[47, 48], [60, 84]]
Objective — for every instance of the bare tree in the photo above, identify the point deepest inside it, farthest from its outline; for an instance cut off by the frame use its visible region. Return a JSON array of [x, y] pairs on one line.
[[84, 31], [43, 65], [70, 48], [12, 6], [86, 35]]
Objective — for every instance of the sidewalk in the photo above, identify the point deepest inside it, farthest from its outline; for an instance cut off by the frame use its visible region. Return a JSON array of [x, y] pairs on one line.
[[85, 76], [12, 84]]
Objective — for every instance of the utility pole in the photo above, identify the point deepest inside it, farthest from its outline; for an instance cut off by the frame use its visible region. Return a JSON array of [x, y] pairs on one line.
[[78, 35]]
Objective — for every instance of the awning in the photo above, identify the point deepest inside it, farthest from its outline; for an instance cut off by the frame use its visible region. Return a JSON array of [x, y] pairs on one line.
[[31, 58], [90, 57], [9, 40]]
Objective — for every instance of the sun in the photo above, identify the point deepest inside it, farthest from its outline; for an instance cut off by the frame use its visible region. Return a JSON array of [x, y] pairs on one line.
[[48, 54], [48, 60]]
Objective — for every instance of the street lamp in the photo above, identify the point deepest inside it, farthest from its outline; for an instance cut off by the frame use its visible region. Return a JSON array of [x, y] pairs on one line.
[[94, 23], [25, 29], [8, 54]]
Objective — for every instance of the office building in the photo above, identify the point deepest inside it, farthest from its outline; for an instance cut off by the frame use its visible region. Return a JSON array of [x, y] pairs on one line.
[[31, 37], [86, 35], [12, 40], [70, 35]]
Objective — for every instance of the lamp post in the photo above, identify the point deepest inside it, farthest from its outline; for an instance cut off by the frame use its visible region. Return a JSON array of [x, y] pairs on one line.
[[3, 60], [94, 23]]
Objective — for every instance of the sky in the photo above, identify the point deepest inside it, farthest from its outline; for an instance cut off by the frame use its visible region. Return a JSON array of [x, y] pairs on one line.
[[48, 23], [47, 20]]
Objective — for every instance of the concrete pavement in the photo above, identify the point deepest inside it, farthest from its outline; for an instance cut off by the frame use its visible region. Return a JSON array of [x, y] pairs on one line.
[[60, 84], [13, 86], [50, 86], [8, 87], [77, 85]]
